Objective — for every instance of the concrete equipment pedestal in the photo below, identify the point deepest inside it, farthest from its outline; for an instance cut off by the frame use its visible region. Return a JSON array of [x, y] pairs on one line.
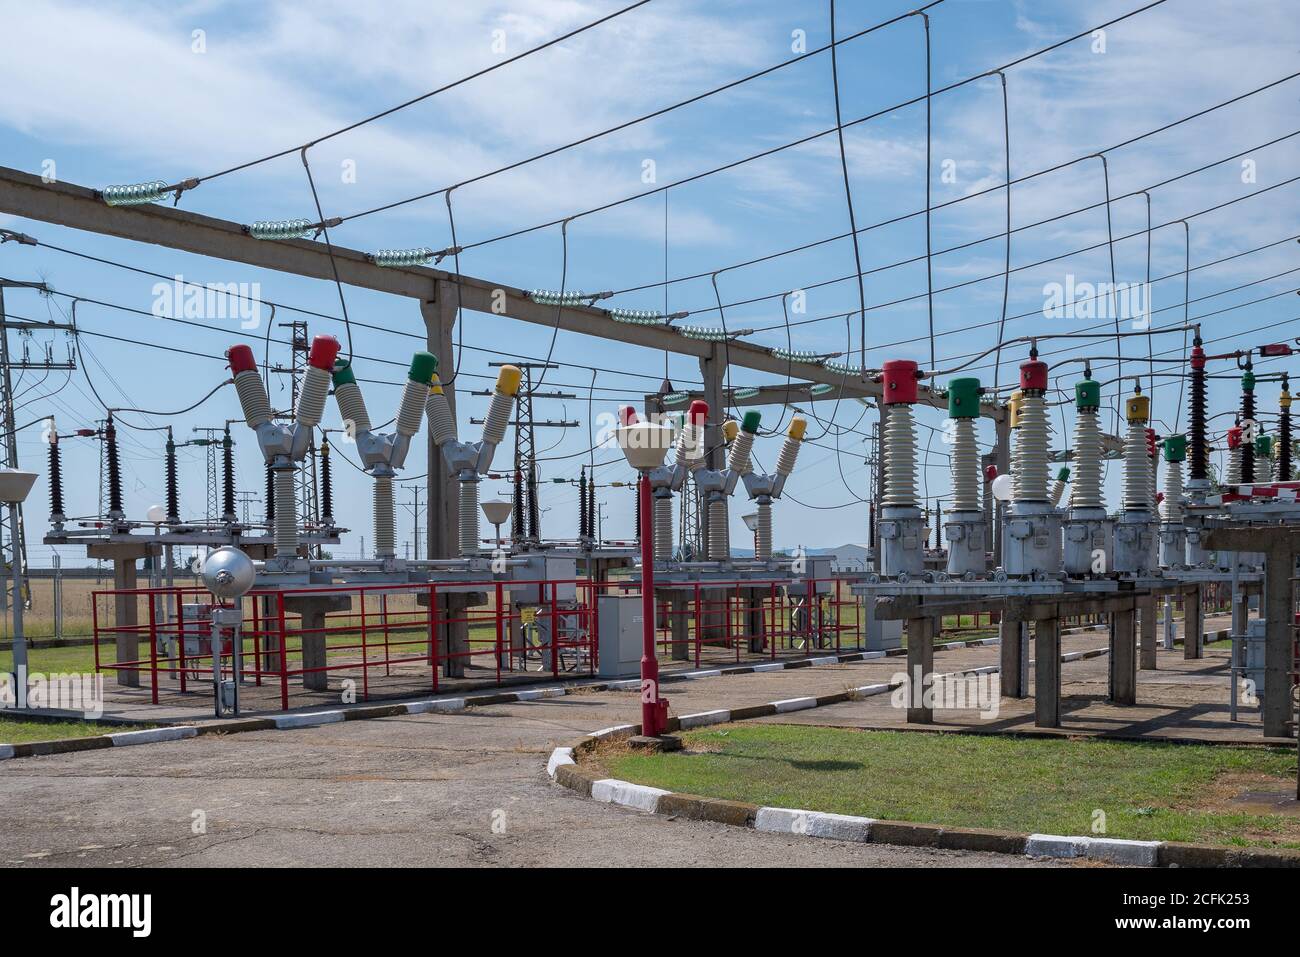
[[313, 609]]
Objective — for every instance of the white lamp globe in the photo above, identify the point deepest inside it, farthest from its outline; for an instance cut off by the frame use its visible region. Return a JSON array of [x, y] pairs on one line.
[[1001, 488]]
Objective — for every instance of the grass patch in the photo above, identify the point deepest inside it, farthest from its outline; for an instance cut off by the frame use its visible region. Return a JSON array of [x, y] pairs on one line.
[[1054, 786], [20, 732]]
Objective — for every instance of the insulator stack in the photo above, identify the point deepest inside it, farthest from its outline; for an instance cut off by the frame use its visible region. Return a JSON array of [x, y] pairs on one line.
[[1198, 470], [1058, 487], [442, 424], [1033, 454], [56, 478], [286, 513], [1087, 529], [385, 517], [1086, 491], [1232, 473], [965, 461], [663, 507], [1152, 470], [135, 194], [415, 394], [1171, 509], [763, 532], [738, 454], [352, 405], [900, 461], [789, 453], [1284, 435], [518, 527], [1248, 421], [1031, 533], [326, 485], [114, 470], [249, 386], [270, 496], [690, 441], [227, 478], [1174, 538], [591, 506], [503, 397], [719, 533], [316, 381], [468, 532], [281, 229], [1137, 464], [965, 526], [534, 505], [171, 481], [584, 526]]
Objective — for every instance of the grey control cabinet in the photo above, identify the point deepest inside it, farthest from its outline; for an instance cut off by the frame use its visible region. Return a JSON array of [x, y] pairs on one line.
[[619, 637]]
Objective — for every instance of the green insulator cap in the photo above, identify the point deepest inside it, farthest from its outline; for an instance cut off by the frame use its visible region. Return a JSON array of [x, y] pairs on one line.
[[423, 366], [964, 398], [1264, 446], [1064, 474], [343, 373], [1175, 448], [1248, 382], [750, 422], [1087, 394]]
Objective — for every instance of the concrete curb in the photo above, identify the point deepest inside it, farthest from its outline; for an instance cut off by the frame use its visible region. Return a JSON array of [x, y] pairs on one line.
[[563, 769]]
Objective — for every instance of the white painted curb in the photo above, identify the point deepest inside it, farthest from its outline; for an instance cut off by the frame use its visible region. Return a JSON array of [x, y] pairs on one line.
[[444, 705], [286, 721], [688, 721], [836, 827], [558, 757], [636, 796], [606, 732], [122, 739], [794, 704], [713, 673], [832, 660], [768, 666], [868, 690]]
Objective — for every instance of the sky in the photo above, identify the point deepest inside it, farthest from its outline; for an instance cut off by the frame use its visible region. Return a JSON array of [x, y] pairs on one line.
[[105, 93]]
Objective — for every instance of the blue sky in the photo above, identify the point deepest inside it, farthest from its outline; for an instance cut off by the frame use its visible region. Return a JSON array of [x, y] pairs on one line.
[[116, 93]]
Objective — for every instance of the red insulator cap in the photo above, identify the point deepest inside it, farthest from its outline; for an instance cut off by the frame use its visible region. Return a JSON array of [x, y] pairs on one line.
[[324, 349], [1160, 497], [1234, 437], [899, 379], [1198, 357], [241, 359], [698, 412], [626, 415], [990, 473], [1275, 349], [1033, 375]]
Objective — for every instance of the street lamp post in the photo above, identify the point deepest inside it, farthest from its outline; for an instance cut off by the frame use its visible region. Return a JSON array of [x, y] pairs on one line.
[[14, 486], [645, 445]]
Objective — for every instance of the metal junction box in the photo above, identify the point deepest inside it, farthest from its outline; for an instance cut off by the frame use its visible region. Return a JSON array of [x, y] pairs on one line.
[[619, 639]]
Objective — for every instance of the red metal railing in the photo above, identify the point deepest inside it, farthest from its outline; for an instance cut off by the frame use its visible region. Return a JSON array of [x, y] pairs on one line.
[[394, 639]]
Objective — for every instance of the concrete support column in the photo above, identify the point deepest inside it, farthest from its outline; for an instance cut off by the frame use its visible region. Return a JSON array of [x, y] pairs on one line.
[[1015, 657], [1148, 652], [127, 618], [1123, 657], [1278, 612], [442, 516], [679, 626], [313, 609], [1193, 624], [921, 633], [754, 623], [1047, 673]]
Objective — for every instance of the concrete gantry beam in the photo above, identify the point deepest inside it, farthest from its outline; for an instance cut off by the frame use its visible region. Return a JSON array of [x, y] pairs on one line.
[[66, 204]]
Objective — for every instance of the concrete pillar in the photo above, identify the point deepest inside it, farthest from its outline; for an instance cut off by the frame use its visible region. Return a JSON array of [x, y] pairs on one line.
[[126, 616], [313, 609], [453, 637], [1123, 657], [1193, 624], [443, 524], [269, 641], [754, 623], [1148, 653], [679, 626], [1277, 611], [1015, 657], [1047, 673], [921, 633]]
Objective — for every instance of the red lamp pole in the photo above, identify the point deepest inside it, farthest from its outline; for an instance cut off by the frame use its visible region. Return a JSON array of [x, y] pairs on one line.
[[653, 709]]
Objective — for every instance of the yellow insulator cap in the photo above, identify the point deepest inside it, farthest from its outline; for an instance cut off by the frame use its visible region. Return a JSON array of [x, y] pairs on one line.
[[798, 426], [435, 384], [730, 429], [1013, 407], [1284, 400], [1137, 408], [508, 380]]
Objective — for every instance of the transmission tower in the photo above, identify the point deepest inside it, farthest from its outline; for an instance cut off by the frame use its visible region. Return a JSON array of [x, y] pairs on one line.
[[526, 521]]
